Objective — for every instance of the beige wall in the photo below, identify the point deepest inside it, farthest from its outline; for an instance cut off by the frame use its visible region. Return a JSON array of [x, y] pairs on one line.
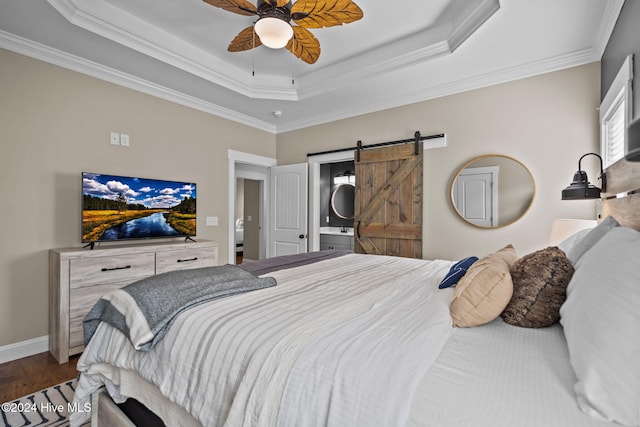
[[239, 198], [546, 122], [252, 228], [55, 124]]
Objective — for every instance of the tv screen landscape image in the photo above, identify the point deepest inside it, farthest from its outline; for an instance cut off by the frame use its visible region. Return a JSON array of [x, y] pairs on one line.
[[121, 208]]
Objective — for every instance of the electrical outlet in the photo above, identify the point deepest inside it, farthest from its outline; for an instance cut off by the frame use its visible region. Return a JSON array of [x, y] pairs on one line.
[[212, 220], [115, 138], [124, 139]]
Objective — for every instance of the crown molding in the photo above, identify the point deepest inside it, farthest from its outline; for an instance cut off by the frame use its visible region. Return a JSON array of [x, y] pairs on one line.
[[134, 33], [75, 63], [531, 69], [117, 25], [472, 21], [365, 66], [429, 44], [607, 24]]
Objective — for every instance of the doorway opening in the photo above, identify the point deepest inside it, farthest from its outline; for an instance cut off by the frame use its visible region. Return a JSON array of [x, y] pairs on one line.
[[253, 172], [316, 189], [249, 238]]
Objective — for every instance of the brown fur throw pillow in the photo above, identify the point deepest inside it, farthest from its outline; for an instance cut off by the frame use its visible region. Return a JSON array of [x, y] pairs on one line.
[[540, 282]]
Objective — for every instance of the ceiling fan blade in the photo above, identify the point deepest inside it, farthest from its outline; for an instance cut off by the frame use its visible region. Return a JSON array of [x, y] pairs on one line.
[[325, 13], [241, 7], [245, 40], [304, 45], [278, 3]]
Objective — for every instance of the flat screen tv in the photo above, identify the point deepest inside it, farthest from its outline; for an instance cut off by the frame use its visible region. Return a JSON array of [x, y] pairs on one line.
[[123, 207]]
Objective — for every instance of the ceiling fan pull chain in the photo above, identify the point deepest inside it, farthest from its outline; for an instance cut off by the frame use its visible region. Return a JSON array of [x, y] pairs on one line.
[[253, 51], [293, 74]]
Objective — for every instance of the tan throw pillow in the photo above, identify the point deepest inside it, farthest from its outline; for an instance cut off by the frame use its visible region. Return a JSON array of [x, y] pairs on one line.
[[540, 282], [484, 292]]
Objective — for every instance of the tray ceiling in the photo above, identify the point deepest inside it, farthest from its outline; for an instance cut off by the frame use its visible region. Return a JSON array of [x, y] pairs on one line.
[[409, 52]]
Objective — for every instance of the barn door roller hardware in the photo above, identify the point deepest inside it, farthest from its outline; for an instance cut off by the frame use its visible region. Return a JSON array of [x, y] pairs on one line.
[[359, 146]]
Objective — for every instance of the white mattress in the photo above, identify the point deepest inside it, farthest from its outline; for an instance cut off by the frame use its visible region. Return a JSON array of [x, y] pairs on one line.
[[495, 375], [498, 375], [314, 350]]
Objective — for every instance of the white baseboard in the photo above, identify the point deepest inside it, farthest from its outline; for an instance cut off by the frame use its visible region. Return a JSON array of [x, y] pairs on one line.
[[24, 348]]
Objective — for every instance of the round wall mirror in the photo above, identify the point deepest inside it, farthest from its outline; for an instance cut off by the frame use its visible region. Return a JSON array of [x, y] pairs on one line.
[[342, 200], [492, 191]]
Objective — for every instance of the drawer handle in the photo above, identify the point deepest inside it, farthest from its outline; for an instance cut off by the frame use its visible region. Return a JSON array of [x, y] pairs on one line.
[[116, 268], [189, 259]]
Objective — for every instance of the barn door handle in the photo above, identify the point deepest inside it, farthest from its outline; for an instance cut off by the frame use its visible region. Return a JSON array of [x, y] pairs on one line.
[[358, 230]]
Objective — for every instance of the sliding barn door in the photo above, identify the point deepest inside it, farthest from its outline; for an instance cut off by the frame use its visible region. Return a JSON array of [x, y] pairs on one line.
[[388, 204]]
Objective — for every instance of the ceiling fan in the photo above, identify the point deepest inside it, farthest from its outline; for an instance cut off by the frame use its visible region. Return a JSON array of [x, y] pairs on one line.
[[273, 27]]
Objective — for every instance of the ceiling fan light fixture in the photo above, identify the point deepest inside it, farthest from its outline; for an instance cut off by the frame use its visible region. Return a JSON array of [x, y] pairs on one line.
[[273, 32]]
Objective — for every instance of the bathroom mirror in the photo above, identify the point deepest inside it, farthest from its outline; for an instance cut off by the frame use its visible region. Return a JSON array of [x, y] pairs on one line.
[[492, 191], [342, 200]]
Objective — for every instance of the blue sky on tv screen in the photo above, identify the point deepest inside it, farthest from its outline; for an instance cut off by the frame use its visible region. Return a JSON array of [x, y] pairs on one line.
[[152, 193]]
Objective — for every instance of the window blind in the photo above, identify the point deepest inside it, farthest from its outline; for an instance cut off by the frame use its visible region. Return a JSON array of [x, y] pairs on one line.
[[615, 114], [614, 130]]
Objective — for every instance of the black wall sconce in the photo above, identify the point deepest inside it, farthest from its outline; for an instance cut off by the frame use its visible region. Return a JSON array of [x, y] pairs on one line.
[[581, 188]]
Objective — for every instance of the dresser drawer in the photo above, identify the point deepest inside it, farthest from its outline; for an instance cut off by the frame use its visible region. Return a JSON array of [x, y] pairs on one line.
[[113, 269], [81, 300], [79, 277], [185, 258]]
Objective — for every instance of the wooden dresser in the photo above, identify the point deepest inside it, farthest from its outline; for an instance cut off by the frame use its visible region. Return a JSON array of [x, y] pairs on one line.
[[79, 277]]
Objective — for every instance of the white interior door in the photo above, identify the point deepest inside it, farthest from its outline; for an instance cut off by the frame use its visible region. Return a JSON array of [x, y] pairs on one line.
[[288, 219], [476, 194]]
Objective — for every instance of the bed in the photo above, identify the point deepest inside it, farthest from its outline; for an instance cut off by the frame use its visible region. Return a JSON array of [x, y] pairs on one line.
[[346, 339], [239, 235]]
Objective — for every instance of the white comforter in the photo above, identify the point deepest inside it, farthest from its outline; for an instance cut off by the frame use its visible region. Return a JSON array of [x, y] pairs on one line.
[[340, 342]]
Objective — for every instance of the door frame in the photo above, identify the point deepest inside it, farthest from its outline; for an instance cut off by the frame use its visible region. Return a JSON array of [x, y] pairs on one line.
[[315, 160], [493, 171], [314, 191], [238, 157]]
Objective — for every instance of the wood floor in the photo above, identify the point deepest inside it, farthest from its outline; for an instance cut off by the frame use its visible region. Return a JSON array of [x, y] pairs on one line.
[[30, 374]]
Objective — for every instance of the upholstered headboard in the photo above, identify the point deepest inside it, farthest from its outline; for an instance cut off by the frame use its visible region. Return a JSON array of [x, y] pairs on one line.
[[622, 199]]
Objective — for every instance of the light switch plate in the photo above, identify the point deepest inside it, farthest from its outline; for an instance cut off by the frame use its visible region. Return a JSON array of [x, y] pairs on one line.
[[115, 138]]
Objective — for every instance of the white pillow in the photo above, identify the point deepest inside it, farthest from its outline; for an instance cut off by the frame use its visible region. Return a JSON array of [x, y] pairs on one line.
[[601, 320], [584, 244], [570, 242]]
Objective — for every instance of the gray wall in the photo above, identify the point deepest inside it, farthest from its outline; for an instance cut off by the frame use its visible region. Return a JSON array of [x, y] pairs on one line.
[[325, 194], [336, 169], [624, 40]]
